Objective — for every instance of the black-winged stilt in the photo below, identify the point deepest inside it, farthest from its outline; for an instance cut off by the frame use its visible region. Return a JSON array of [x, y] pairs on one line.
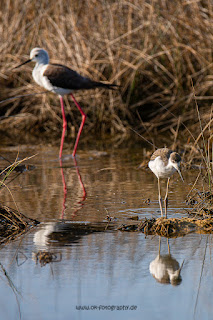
[[61, 80]]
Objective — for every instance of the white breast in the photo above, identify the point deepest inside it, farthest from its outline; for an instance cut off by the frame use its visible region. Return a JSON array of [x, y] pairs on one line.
[[159, 169], [38, 74], [44, 82]]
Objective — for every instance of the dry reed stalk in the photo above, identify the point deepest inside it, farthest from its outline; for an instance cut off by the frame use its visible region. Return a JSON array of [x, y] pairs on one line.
[[13, 224], [151, 49]]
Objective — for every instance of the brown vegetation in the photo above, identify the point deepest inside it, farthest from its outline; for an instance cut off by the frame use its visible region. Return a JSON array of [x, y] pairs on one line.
[[13, 224], [201, 204], [171, 227], [152, 49], [45, 257]]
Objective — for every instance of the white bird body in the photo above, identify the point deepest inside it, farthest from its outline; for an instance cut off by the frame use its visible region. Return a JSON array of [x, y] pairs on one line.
[[43, 81], [164, 163], [37, 73], [160, 170]]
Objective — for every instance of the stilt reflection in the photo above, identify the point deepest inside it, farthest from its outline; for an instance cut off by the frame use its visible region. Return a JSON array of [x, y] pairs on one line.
[[65, 188], [166, 269]]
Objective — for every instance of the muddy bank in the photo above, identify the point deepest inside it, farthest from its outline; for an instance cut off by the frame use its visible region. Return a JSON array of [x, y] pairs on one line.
[[170, 227]]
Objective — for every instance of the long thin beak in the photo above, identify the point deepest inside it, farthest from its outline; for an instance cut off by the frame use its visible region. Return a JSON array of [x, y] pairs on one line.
[[178, 170], [22, 64], [176, 166]]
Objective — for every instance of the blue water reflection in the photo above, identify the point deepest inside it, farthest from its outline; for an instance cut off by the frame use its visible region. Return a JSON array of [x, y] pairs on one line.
[[104, 274], [102, 270]]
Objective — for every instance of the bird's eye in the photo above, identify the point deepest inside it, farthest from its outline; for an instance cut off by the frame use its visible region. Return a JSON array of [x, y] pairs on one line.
[[36, 55]]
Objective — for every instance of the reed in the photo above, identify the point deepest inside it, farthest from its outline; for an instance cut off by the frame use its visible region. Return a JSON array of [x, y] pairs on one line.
[[152, 49]]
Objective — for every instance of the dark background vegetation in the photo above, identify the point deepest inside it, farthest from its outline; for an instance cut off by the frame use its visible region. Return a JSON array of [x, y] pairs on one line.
[[154, 49]]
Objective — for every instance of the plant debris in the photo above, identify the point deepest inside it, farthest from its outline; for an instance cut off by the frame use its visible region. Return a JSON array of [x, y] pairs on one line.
[[44, 257], [13, 224], [170, 227], [202, 204]]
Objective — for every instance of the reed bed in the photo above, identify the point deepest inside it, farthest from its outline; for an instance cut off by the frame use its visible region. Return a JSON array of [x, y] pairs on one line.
[[154, 50]]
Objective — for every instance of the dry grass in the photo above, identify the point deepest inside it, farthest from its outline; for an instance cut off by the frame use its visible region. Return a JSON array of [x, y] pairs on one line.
[[13, 224], [153, 49], [201, 204]]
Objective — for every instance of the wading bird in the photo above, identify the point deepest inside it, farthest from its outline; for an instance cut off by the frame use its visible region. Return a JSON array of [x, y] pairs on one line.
[[164, 163], [61, 80]]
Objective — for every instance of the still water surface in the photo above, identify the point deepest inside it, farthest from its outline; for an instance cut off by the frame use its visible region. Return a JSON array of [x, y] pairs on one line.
[[112, 273]]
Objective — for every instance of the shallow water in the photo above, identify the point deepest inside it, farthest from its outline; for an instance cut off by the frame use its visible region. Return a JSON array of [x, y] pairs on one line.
[[107, 273]]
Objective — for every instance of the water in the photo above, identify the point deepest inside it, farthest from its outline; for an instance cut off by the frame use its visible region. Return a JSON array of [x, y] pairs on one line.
[[106, 273]]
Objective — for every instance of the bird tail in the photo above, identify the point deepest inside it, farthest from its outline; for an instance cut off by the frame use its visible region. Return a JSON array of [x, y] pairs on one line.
[[111, 86]]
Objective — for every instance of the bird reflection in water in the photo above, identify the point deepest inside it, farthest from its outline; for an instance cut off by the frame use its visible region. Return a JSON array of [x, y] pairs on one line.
[[65, 188], [166, 269], [50, 230]]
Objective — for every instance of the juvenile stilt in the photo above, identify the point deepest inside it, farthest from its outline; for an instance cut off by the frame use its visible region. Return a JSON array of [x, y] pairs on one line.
[[164, 163]]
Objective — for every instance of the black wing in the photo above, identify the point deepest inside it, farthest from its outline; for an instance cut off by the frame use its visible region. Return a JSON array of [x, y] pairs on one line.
[[64, 77]]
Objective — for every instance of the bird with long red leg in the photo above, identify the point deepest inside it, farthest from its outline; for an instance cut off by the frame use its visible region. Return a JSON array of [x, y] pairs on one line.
[[61, 80]]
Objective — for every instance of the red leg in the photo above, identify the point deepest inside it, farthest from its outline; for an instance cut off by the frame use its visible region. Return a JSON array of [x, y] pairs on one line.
[[81, 126], [81, 202], [80, 180], [64, 126]]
